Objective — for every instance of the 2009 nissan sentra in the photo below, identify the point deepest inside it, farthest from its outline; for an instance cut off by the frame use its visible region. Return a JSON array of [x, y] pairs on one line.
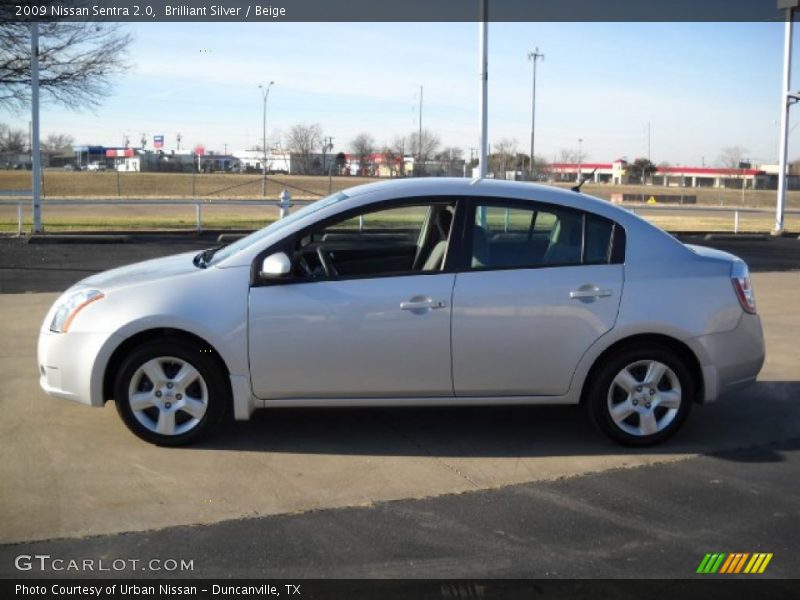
[[409, 293]]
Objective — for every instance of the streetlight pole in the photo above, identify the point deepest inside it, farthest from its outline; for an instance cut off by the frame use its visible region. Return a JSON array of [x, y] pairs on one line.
[[265, 95], [533, 57], [580, 158], [483, 57]]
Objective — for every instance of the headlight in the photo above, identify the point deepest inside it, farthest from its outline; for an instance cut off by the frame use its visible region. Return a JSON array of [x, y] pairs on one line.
[[70, 306]]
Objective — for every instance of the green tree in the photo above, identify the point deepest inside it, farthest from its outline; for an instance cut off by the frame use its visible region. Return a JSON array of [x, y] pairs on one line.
[[642, 168]]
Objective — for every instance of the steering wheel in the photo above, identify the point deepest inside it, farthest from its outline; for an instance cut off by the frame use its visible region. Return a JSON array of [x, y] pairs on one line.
[[303, 264], [325, 261]]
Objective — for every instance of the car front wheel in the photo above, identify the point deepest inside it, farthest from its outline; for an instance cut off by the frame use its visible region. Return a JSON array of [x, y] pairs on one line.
[[170, 392], [641, 396]]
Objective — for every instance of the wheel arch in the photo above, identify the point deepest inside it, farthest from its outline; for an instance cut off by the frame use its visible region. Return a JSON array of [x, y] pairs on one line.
[[119, 353], [677, 346]]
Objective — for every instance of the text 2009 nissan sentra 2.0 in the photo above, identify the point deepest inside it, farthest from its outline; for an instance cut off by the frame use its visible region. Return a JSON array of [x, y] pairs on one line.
[[410, 293]]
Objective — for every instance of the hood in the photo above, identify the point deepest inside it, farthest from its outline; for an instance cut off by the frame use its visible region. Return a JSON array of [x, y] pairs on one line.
[[149, 270]]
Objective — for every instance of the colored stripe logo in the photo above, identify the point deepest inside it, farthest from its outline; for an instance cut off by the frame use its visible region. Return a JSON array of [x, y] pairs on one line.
[[734, 563]]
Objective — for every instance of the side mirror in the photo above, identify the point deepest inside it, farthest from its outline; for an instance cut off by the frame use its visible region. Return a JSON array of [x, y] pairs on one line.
[[275, 266]]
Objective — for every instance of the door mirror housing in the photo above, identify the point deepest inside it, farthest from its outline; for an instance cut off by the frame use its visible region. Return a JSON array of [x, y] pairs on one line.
[[275, 266]]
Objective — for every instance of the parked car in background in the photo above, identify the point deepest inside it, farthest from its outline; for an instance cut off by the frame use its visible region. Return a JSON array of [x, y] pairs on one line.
[[96, 166], [410, 293]]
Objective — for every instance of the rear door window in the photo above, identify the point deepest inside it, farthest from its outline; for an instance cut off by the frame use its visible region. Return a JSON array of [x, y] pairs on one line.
[[518, 235]]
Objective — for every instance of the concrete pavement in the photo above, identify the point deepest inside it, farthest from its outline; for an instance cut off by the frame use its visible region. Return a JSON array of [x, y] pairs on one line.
[[68, 470]]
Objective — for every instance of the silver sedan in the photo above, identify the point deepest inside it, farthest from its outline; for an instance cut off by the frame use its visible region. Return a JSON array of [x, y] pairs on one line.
[[411, 293]]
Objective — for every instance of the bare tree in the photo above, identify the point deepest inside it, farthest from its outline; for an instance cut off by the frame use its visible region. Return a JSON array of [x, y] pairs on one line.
[[541, 168], [303, 139], [423, 147], [503, 158], [363, 145], [569, 156], [57, 141], [731, 156], [399, 147], [77, 62], [448, 157], [451, 153], [12, 140]]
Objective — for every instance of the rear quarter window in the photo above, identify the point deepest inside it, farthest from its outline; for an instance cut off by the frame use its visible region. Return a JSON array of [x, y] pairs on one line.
[[599, 233]]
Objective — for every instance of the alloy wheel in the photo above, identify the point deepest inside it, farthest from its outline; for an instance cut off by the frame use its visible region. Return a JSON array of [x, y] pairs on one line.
[[644, 398], [168, 396]]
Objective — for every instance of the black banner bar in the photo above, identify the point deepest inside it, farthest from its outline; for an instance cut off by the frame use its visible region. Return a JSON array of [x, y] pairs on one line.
[[702, 588], [152, 11]]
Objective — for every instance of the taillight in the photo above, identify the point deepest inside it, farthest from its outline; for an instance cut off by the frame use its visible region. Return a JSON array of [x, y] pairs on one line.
[[740, 277]]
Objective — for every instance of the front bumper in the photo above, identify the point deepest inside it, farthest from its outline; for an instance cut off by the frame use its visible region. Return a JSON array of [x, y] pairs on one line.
[[733, 358], [71, 365]]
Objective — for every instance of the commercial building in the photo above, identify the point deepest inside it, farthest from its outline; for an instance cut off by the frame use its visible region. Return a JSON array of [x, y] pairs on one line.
[[619, 172]]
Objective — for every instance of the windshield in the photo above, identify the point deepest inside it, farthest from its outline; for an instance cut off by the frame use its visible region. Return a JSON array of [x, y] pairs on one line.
[[258, 236]]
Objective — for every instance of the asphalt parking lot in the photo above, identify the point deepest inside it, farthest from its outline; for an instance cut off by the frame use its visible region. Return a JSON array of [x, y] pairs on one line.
[[473, 492]]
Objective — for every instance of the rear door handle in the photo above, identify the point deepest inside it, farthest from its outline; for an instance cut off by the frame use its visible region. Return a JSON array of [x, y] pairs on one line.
[[589, 291], [417, 303]]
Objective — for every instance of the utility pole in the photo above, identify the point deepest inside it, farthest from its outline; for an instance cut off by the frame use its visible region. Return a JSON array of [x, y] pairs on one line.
[[745, 164], [417, 163], [327, 145], [36, 157], [648, 141], [178, 139], [533, 57], [580, 158], [265, 95], [787, 99]]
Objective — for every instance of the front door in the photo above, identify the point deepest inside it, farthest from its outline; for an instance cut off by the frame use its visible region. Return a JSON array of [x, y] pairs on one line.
[[366, 313]]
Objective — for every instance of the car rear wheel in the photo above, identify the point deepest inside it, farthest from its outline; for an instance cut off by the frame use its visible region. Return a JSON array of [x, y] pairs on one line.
[[171, 393], [641, 396]]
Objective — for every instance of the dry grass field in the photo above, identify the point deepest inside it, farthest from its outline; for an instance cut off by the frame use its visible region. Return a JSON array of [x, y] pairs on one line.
[[110, 184], [61, 185]]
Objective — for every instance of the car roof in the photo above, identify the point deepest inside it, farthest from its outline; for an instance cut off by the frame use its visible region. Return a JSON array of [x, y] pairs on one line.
[[520, 190]]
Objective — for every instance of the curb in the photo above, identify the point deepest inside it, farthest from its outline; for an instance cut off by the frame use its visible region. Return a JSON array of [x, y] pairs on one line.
[[78, 239], [737, 237]]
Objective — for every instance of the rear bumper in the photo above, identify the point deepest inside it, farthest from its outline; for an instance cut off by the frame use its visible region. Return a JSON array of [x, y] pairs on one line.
[[733, 358]]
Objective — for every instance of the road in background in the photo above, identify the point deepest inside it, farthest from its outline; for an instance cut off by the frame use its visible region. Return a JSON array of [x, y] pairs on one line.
[[53, 267]]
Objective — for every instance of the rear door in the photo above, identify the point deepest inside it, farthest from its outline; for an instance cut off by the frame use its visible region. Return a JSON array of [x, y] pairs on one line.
[[540, 284]]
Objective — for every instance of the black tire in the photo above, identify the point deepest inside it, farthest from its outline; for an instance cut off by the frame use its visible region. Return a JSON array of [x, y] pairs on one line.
[[209, 393], [602, 393]]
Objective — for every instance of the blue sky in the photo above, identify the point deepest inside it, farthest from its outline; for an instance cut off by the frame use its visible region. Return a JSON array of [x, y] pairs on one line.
[[702, 86]]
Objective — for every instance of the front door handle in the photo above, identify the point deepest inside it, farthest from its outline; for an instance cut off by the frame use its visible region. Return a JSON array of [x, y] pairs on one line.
[[589, 291], [422, 303]]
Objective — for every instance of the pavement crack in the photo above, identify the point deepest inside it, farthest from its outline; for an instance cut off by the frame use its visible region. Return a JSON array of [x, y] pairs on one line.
[[431, 454]]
